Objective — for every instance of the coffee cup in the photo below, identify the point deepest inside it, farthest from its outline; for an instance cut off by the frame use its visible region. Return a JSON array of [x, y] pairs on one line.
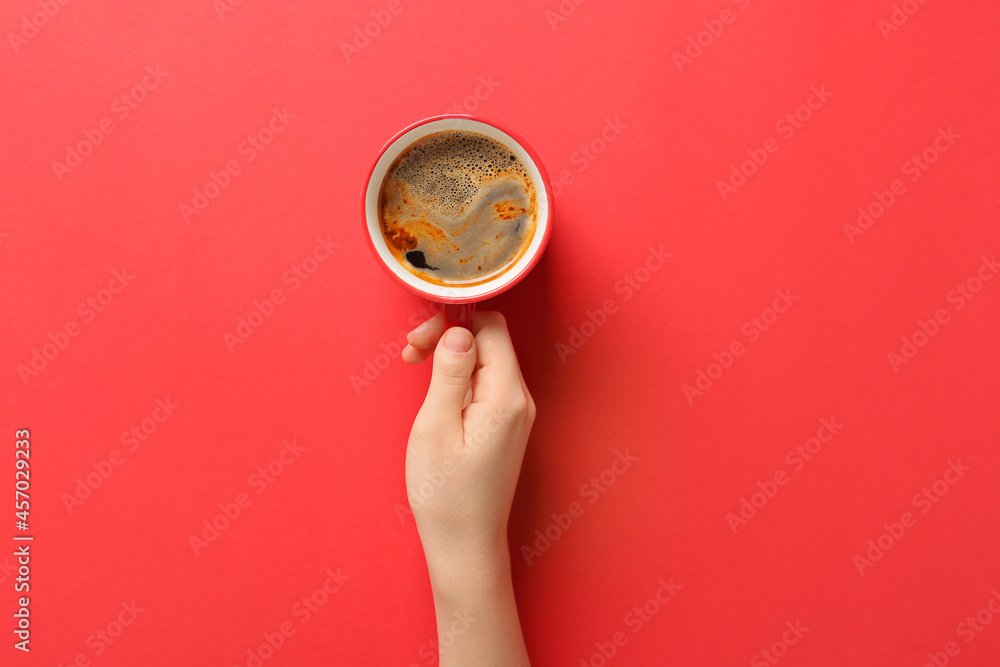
[[459, 297]]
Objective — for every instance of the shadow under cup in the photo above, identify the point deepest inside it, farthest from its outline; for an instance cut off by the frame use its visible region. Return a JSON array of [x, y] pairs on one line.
[[456, 294]]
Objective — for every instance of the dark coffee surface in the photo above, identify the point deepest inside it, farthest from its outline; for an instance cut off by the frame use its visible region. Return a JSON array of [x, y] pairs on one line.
[[458, 208]]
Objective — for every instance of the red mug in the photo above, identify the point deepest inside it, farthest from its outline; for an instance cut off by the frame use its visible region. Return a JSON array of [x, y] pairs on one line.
[[459, 300]]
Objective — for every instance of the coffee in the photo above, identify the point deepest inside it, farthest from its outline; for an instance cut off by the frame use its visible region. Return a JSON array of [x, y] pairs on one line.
[[458, 208]]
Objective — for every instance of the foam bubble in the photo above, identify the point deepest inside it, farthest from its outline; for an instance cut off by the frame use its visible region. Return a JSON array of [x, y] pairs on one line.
[[458, 207]]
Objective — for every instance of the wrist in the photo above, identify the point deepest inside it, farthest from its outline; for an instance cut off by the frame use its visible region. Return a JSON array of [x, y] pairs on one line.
[[475, 610], [463, 578]]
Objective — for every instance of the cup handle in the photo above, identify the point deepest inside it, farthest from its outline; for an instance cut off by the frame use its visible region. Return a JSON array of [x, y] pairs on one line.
[[458, 315]]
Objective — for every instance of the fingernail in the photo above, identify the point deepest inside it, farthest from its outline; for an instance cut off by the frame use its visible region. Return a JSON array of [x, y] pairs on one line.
[[458, 340]]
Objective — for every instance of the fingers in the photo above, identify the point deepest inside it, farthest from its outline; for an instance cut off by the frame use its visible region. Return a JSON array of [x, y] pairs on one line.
[[497, 381], [499, 375], [489, 327], [423, 339], [454, 362], [412, 355]]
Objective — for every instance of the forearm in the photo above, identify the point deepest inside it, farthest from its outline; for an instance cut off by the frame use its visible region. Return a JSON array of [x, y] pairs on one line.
[[477, 617]]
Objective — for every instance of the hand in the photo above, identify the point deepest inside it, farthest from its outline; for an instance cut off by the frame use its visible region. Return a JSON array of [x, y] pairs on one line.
[[462, 464], [468, 439]]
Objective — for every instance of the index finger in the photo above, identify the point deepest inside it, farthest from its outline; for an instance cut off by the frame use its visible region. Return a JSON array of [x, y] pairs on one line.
[[496, 360]]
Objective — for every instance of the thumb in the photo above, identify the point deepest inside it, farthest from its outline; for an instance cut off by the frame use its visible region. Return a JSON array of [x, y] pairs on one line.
[[454, 361]]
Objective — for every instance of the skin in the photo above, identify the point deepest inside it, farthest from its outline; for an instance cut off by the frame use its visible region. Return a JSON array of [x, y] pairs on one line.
[[469, 437]]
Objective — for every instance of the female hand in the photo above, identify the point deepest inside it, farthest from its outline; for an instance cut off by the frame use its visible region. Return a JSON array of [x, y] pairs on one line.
[[462, 463]]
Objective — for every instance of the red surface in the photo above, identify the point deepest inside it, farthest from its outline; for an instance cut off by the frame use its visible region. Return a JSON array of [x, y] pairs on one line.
[[300, 376]]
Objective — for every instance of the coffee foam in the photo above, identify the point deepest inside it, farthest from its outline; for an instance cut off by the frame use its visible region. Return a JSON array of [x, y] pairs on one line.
[[464, 201]]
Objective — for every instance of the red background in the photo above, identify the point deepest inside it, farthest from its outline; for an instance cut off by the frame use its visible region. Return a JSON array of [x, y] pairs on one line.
[[556, 83]]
